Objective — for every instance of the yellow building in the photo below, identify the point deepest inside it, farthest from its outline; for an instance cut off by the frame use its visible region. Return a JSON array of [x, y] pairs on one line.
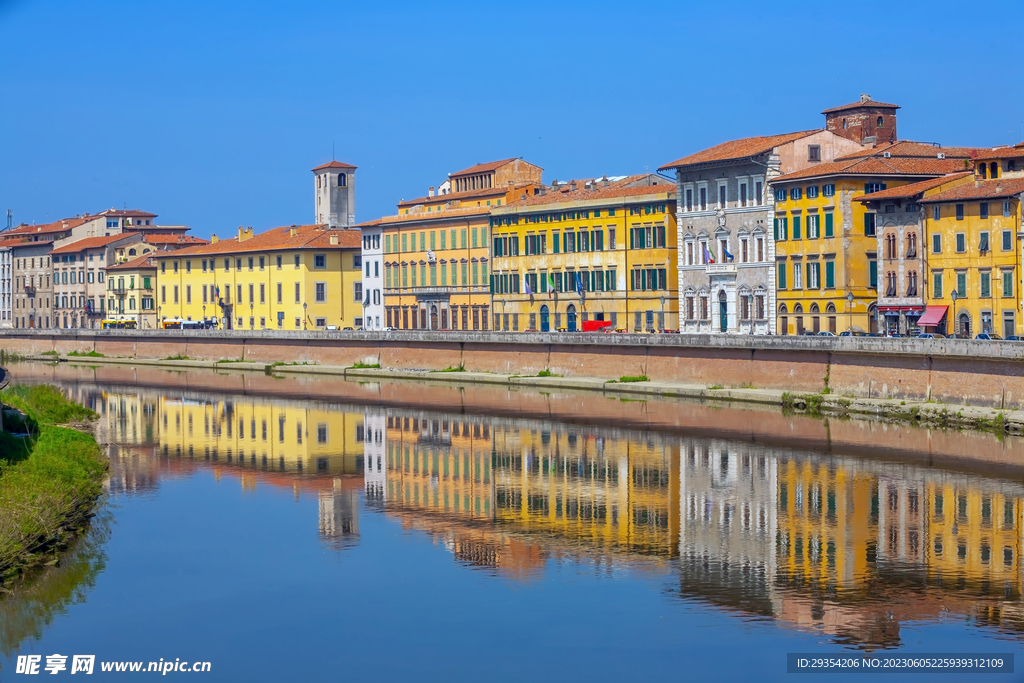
[[436, 256], [826, 242], [295, 278], [131, 291], [974, 250], [590, 250]]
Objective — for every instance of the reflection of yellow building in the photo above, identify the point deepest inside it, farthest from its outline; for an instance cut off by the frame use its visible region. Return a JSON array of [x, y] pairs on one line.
[[825, 242], [597, 250], [268, 435]]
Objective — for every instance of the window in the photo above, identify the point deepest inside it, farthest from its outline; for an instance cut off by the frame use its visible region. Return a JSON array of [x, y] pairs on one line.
[[961, 242], [936, 243], [797, 276], [937, 285], [1007, 240], [829, 225], [936, 212], [983, 242], [280, 260], [873, 274], [830, 274], [869, 224], [321, 292], [297, 292], [1006, 209], [983, 210], [781, 279], [813, 152], [796, 227], [986, 285], [297, 261], [961, 285], [1007, 283], [780, 195], [280, 293], [828, 190], [263, 293], [812, 192], [357, 291], [721, 196], [263, 262], [251, 262], [796, 193], [320, 260], [814, 275], [873, 187], [959, 212]]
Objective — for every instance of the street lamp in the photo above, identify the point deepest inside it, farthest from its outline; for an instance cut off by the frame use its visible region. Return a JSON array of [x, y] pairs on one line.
[[158, 318], [849, 307], [662, 316], [204, 314], [956, 331], [303, 315], [503, 302]]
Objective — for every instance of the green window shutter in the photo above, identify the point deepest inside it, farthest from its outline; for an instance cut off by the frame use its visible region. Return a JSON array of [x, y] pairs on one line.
[[873, 274], [1008, 283], [781, 283], [776, 229], [785, 228], [830, 274], [796, 227], [828, 225], [937, 285], [869, 224]]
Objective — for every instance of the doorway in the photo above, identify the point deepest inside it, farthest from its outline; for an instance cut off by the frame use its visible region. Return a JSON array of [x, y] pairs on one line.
[[433, 317], [723, 311], [545, 324], [570, 318]]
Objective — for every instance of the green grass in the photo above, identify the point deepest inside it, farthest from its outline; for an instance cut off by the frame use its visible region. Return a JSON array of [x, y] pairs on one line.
[[222, 360], [365, 366], [49, 353], [547, 373], [180, 357], [87, 354], [715, 386], [49, 480], [634, 378], [450, 368]]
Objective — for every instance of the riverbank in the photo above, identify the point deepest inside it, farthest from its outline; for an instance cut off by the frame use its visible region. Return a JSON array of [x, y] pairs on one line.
[[924, 412], [50, 479]]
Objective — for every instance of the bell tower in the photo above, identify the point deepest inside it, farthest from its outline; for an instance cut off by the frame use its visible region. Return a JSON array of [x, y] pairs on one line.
[[334, 195]]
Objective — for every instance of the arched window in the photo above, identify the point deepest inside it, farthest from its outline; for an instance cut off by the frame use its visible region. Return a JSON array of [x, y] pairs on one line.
[[831, 308], [912, 283], [341, 180], [783, 309], [880, 123], [911, 245], [798, 308], [844, 124], [983, 170], [994, 166], [131, 252], [814, 308]]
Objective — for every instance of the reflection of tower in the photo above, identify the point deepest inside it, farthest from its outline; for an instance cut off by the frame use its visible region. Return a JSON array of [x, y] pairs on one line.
[[339, 516], [375, 473]]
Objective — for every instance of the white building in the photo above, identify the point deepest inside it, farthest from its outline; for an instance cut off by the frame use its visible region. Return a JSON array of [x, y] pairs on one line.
[[375, 466], [373, 275], [6, 314]]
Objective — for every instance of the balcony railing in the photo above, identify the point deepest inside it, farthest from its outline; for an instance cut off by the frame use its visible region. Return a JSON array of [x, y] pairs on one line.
[[115, 290], [30, 290]]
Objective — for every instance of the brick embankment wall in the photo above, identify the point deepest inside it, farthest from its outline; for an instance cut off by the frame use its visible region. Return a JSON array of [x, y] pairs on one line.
[[946, 370]]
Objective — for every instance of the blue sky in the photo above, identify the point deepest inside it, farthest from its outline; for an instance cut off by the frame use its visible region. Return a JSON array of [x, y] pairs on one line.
[[211, 114]]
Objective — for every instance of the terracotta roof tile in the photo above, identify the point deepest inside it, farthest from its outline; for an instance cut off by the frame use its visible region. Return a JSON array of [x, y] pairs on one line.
[[879, 167], [862, 103], [123, 213], [94, 242], [913, 189], [621, 188], [738, 149], [173, 239], [1014, 152], [469, 194], [451, 214], [145, 261], [275, 239], [333, 164], [483, 168], [986, 189], [46, 228], [13, 242], [909, 148]]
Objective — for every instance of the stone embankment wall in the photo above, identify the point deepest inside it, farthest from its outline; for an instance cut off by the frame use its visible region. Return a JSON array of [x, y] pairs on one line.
[[946, 370]]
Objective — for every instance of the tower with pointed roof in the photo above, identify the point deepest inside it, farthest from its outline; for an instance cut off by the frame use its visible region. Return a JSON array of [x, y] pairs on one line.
[[335, 194]]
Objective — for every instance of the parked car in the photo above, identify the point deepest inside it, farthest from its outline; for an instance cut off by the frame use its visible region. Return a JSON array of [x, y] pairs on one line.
[[988, 336], [826, 333], [931, 335], [1013, 337]]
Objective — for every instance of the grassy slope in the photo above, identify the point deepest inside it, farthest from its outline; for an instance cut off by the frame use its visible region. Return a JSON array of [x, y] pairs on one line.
[[46, 492]]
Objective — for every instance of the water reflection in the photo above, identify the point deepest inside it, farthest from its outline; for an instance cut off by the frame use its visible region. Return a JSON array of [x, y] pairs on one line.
[[848, 547]]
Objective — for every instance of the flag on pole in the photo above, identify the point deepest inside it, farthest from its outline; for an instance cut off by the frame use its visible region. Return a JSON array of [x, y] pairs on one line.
[[727, 254], [708, 258], [526, 283], [579, 284], [551, 285]]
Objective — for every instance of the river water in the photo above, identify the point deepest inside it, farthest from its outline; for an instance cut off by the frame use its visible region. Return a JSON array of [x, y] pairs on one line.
[[259, 525]]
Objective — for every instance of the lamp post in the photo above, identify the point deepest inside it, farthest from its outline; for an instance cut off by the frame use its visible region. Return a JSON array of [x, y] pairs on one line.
[[503, 302], [158, 318], [303, 315], [849, 308], [662, 316], [204, 314], [956, 331]]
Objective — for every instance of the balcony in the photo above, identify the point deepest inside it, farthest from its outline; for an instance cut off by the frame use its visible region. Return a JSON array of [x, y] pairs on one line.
[[116, 291], [30, 290], [721, 268]]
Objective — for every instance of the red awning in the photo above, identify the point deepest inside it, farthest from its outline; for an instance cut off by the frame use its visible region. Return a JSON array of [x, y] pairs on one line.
[[932, 316]]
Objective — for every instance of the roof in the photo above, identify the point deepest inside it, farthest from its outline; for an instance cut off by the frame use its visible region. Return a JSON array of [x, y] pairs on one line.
[[173, 239], [739, 149], [878, 166], [145, 261], [862, 103], [457, 213], [333, 164], [985, 189], [1007, 152], [7, 243], [93, 243], [275, 239], [469, 194], [483, 168], [619, 189], [913, 189], [368, 224], [909, 148], [123, 213], [46, 228]]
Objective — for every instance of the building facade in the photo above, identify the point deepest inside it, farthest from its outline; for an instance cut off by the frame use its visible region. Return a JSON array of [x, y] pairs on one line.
[[6, 286], [601, 249], [974, 252], [79, 266], [373, 275], [294, 278], [826, 241], [724, 215], [131, 292], [335, 194], [436, 254]]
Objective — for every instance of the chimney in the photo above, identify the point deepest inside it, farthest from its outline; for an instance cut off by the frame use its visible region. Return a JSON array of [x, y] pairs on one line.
[[572, 186], [430, 192], [293, 232], [214, 239], [334, 240], [864, 97], [244, 233]]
